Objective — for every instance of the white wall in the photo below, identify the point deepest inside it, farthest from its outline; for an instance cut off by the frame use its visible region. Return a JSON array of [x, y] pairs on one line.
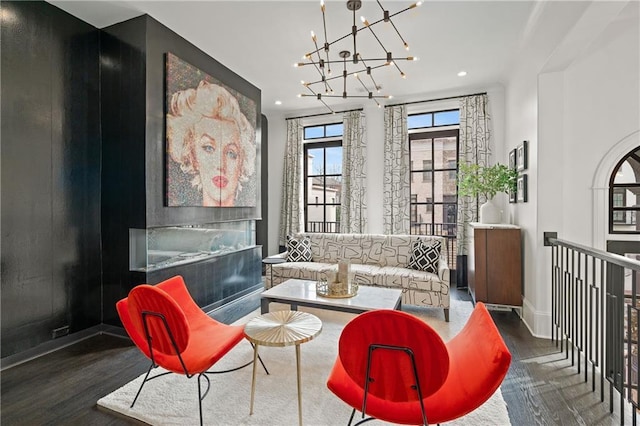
[[573, 93], [573, 105]]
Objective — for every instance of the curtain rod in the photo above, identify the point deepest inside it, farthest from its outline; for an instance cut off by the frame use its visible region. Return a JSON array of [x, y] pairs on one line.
[[324, 113], [439, 99]]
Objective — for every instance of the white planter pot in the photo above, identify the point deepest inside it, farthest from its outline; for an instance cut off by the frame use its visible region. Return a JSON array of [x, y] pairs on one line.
[[489, 213]]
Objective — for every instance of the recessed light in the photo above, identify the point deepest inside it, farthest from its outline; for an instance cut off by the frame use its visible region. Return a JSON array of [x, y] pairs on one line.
[[462, 73], [278, 102]]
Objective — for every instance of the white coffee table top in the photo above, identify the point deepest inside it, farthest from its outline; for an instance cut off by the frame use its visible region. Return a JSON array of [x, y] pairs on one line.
[[367, 299]]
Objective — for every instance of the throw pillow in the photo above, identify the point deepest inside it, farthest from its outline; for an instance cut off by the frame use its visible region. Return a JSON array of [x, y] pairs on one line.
[[425, 256], [298, 249]]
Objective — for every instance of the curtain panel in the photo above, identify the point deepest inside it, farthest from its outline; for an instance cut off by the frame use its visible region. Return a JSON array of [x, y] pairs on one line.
[[475, 148], [291, 208], [396, 190], [353, 206]]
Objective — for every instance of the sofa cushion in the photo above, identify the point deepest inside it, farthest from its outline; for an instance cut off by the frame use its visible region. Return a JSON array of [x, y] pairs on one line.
[[425, 256], [407, 279], [364, 274], [304, 271], [298, 249]]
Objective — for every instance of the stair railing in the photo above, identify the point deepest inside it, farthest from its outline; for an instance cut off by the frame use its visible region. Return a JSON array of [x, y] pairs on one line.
[[595, 303]]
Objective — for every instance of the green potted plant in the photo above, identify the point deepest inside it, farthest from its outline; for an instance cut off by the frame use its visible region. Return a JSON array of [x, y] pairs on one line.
[[486, 181]]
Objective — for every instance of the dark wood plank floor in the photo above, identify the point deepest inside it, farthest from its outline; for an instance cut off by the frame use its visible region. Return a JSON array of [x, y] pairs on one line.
[[541, 388]]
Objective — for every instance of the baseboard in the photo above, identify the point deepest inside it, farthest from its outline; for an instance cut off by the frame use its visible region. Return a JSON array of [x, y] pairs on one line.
[[48, 347], [538, 322], [227, 314]]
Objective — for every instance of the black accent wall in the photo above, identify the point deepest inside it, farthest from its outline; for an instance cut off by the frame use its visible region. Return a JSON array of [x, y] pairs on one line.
[[133, 167], [50, 135], [82, 134]]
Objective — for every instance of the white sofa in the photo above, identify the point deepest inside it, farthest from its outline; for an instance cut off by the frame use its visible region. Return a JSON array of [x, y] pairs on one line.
[[376, 260]]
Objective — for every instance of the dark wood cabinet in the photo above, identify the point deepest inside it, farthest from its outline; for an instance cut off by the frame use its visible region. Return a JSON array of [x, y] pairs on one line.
[[495, 264]]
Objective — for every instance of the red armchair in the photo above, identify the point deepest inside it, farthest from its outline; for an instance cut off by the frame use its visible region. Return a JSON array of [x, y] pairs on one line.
[[415, 378], [172, 331]]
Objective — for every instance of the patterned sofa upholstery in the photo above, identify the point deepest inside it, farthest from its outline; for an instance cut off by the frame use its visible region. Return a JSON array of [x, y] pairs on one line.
[[376, 260]]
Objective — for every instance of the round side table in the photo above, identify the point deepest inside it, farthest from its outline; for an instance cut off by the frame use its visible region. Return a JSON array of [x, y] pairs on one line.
[[272, 261], [281, 328]]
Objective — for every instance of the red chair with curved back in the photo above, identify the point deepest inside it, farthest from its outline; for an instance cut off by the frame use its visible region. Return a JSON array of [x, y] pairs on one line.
[[417, 378], [172, 331]]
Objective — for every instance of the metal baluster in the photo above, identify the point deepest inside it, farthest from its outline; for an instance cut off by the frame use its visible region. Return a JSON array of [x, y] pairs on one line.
[[602, 301]]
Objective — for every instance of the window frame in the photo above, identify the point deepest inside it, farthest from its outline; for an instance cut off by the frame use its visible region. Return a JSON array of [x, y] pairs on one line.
[[615, 188], [431, 133], [433, 116], [324, 131], [324, 144]]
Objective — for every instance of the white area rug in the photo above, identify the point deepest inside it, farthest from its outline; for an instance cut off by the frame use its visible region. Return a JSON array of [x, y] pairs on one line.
[[173, 399]]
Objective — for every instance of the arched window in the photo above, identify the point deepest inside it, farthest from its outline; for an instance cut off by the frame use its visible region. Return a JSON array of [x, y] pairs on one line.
[[624, 195]]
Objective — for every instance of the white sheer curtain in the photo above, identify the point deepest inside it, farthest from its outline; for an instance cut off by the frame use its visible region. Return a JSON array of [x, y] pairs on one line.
[[291, 207], [353, 211], [475, 148], [396, 190]]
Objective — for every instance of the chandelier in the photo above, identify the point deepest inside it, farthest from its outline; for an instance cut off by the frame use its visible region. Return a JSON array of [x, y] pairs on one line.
[[352, 63]]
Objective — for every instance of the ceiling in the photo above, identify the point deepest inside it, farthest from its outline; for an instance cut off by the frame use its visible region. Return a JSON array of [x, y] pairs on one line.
[[261, 40]]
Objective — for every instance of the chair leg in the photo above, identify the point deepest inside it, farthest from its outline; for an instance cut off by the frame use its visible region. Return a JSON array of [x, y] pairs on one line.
[[353, 413], [263, 366], [446, 314], [141, 385], [201, 396]]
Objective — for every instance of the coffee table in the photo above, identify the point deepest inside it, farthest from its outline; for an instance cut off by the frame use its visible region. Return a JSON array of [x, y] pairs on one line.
[[281, 328], [303, 293]]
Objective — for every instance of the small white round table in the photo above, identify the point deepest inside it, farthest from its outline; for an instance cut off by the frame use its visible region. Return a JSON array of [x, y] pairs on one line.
[[281, 328]]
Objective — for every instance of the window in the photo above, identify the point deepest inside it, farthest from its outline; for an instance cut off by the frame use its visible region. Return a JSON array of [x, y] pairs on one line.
[[414, 208], [451, 164], [624, 195], [433, 150], [323, 131], [427, 165], [433, 119], [434, 185], [322, 178]]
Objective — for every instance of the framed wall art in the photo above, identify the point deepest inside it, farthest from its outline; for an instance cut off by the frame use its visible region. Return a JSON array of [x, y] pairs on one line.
[[210, 140], [522, 188], [522, 156], [512, 158], [513, 195]]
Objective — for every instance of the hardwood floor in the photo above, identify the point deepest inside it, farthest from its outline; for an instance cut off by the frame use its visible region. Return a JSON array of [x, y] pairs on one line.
[[541, 388]]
